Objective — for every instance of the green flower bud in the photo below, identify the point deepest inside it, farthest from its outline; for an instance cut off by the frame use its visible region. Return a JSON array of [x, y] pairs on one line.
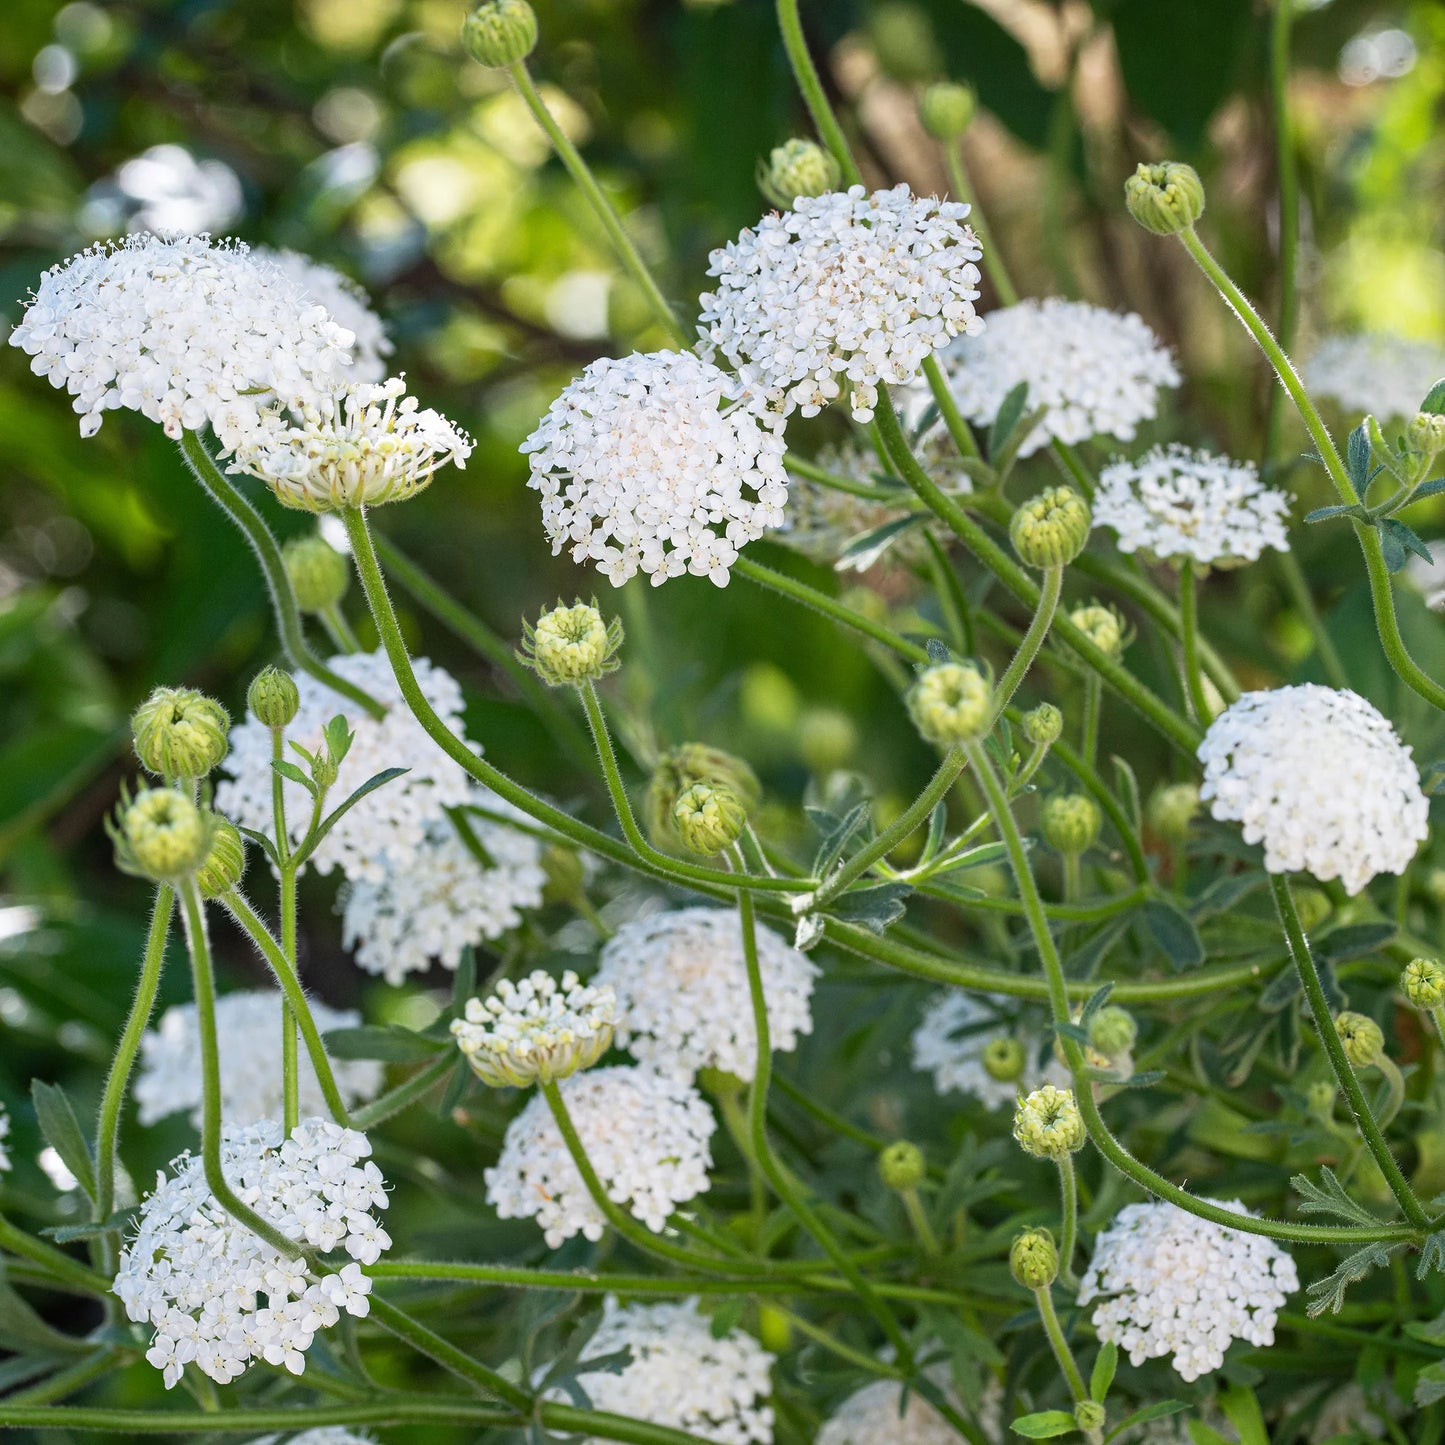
[[1033, 1259], [1043, 725], [1435, 886], [1313, 906], [709, 817], [1102, 626], [319, 573], [678, 769], [1112, 1031], [951, 703], [159, 834], [775, 1329], [1071, 823], [1426, 432], [1320, 1099], [1089, 1415], [1004, 1059], [797, 168], [273, 698], [1165, 198], [902, 1166], [225, 861], [1424, 983], [564, 872], [947, 109], [1051, 529], [1362, 1037], [1048, 1125], [571, 644], [180, 733], [1172, 809], [499, 33]]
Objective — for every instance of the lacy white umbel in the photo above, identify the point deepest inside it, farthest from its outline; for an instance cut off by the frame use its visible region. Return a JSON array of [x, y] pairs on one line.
[[1175, 505], [1174, 1284], [218, 1294], [347, 304], [185, 332], [952, 1043], [249, 1026], [680, 1375], [390, 824], [846, 287], [1319, 777], [647, 1137], [438, 899], [1384, 376], [1094, 372], [652, 463], [682, 991]]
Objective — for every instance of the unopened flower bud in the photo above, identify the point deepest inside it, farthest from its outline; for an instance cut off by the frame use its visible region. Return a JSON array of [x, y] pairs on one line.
[[499, 33], [947, 109], [1043, 725], [1048, 1125], [709, 817], [571, 644], [1112, 1031], [678, 769], [901, 1166], [797, 168], [1071, 823], [1172, 809], [225, 861], [1320, 1098], [951, 703], [1004, 1060], [1426, 432], [1033, 1259], [159, 834], [319, 574], [1050, 530], [1102, 626], [180, 733], [1165, 198], [273, 698], [1362, 1037], [564, 872], [1089, 1415], [1424, 983]]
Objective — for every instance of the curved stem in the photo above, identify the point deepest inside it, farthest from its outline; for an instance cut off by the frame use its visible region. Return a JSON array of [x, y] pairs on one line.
[[55, 1262], [283, 601], [1069, 1212], [806, 75], [290, 1072], [1189, 642], [457, 1362], [1063, 1355], [943, 399], [1023, 658]]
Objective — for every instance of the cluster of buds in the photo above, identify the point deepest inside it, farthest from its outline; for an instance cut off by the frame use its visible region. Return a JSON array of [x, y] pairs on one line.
[[698, 795], [1165, 198], [571, 645], [318, 573], [797, 168], [180, 734], [1071, 823], [500, 33]]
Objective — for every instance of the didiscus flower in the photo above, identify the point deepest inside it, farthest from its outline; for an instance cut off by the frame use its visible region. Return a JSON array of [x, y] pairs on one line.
[[1382, 375], [347, 305], [846, 287], [1319, 777]]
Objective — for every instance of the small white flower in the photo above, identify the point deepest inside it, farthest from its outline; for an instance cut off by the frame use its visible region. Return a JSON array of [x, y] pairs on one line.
[[954, 1038], [347, 305], [322, 1435], [1379, 375]]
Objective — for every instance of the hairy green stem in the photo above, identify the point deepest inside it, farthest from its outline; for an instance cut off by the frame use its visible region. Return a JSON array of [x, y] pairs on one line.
[[444, 1353], [1023, 659], [1063, 1355], [1189, 642], [1069, 1213], [404, 1094], [814, 97], [943, 399]]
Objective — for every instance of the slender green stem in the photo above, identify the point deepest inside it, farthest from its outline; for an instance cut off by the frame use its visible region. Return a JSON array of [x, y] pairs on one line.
[[1189, 641], [1064, 1355], [806, 75], [67, 1381], [283, 601], [446, 1354], [871, 1364], [919, 1220], [962, 186], [339, 629], [943, 399], [55, 1262], [1073, 468], [290, 1071], [1069, 1211], [800, 466], [404, 1094], [1083, 769], [1028, 649], [1395, 1095], [1296, 584], [1287, 172], [1344, 1071], [602, 208]]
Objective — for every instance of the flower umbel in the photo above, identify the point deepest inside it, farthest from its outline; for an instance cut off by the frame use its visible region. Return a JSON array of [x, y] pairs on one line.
[[1051, 529], [160, 834]]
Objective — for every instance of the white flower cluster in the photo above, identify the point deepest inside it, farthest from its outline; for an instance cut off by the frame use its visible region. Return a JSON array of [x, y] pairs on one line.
[[1319, 777], [647, 1135], [1095, 372], [682, 988], [537, 1029], [951, 1043], [249, 1026], [680, 1376], [4, 1135], [1384, 376], [431, 903], [361, 444], [641, 460], [322, 1435], [183, 331], [846, 287], [347, 305], [1174, 1284], [165, 189], [389, 825], [1176, 504], [875, 1415], [218, 1294]]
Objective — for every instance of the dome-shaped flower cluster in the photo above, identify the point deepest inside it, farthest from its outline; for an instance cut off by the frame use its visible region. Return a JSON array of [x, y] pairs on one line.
[[1094, 372], [322, 1435], [647, 1135], [347, 305], [845, 288], [219, 1295], [431, 903], [1174, 1284], [184, 331], [957, 1041], [653, 463], [682, 991], [681, 1375], [1175, 504], [249, 1026], [876, 1415], [1384, 376], [1319, 777], [388, 825]]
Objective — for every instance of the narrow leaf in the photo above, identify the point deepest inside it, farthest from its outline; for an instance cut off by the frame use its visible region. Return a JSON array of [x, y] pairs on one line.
[[290, 771], [1010, 413], [865, 549], [63, 1132], [873, 908], [1174, 931], [1434, 401], [1329, 1196], [1432, 488], [374, 782], [1044, 1425], [1128, 791], [1357, 457], [1408, 539], [390, 1043], [1321, 514], [1103, 1375]]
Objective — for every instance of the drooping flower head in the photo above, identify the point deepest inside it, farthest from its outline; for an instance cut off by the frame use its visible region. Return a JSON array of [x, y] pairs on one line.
[[347, 305], [971, 1049], [682, 989], [219, 1295], [1175, 504], [1319, 777], [646, 1134], [846, 287], [1171, 1283], [1380, 375], [249, 1025], [653, 463]]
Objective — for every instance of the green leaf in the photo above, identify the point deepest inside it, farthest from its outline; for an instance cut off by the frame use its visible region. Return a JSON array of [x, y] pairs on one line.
[[1434, 401], [1355, 940], [837, 838], [63, 1132], [23, 1331], [728, 1316], [390, 1043], [456, 1086], [937, 827], [1174, 931], [1321, 514], [262, 842], [464, 983], [937, 652], [338, 737], [1097, 999], [1242, 1411], [1432, 1254], [1408, 540], [1149, 1412], [1105, 1364], [867, 547], [377, 780], [1432, 488], [872, 908], [1330, 1197], [1128, 791], [290, 771], [69, 1233], [1329, 1293], [1010, 414], [1430, 1385], [1357, 457], [1044, 1425]]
